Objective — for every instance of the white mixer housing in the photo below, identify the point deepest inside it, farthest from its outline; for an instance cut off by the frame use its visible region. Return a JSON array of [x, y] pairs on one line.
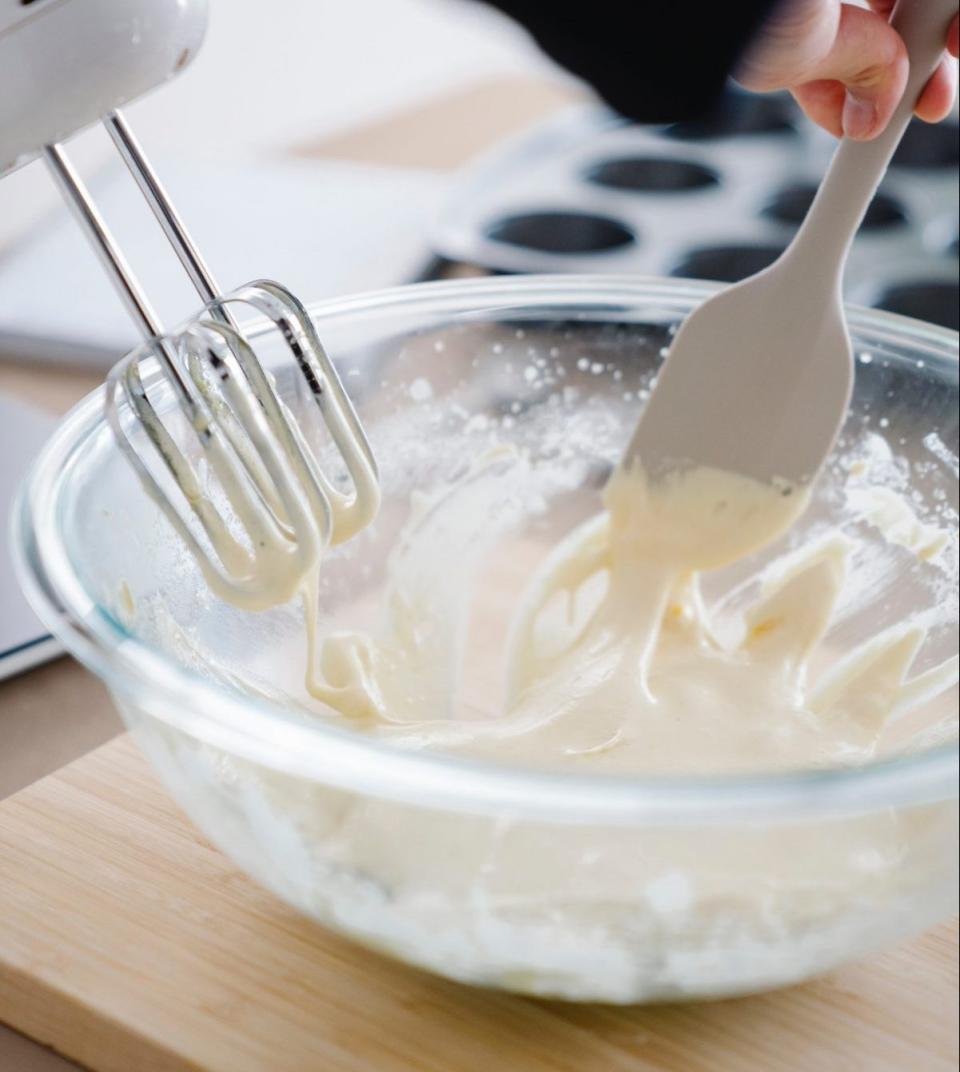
[[66, 63]]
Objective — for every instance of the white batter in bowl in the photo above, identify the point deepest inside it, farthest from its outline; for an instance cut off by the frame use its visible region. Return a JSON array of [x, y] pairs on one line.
[[760, 803]]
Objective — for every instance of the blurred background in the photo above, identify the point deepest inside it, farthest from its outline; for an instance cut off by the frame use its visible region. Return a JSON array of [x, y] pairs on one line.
[[319, 146], [236, 139], [263, 85]]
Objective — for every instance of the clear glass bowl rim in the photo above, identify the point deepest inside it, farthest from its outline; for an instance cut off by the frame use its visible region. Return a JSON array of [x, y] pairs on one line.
[[264, 733]]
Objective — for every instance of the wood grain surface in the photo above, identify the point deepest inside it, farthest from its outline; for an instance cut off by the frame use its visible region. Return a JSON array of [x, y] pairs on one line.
[[131, 945]]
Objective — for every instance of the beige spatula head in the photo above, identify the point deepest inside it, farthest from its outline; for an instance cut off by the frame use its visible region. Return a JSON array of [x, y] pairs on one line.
[[758, 378]]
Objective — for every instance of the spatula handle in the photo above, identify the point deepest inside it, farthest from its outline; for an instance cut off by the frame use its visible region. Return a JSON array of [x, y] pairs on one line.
[[855, 172], [923, 25]]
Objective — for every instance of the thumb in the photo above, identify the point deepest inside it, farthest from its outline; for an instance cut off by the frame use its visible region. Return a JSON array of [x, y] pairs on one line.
[[868, 59]]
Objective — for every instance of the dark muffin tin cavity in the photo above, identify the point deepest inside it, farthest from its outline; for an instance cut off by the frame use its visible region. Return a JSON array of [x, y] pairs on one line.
[[929, 145], [651, 174], [562, 232], [790, 205], [726, 264], [935, 302]]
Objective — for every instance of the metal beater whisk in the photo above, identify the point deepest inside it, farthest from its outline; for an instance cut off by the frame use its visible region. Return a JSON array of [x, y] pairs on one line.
[[258, 527], [254, 448]]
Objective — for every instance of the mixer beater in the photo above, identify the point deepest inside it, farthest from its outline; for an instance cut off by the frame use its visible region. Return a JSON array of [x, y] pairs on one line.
[[258, 529]]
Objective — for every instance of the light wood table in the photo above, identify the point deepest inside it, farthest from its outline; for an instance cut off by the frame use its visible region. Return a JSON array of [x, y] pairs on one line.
[[136, 946]]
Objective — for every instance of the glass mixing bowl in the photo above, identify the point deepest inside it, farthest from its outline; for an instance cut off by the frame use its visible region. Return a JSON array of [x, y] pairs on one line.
[[584, 887]]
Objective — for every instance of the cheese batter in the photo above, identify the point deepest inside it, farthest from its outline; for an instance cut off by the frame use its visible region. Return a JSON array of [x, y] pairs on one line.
[[613, 664]]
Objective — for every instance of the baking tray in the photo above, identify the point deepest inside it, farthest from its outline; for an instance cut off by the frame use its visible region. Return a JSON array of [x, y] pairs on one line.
[[718, 198]]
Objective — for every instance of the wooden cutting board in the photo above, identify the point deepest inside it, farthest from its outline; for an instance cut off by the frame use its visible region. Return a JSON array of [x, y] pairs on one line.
[[131, 945]]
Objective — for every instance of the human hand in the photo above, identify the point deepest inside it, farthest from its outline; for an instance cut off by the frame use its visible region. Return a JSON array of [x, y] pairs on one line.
[[845, 65]]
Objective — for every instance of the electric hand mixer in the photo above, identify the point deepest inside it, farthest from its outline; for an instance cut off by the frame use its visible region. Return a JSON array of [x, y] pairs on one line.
[[64, 65]]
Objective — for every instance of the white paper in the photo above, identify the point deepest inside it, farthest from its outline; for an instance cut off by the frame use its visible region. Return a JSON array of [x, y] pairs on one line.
[[321, 229]]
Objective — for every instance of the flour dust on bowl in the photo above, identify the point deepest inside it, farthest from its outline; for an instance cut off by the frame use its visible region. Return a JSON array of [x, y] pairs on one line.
[[695, 842]]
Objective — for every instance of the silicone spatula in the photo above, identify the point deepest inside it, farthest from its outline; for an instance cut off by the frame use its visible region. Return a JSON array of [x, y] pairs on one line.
[[758, 378]]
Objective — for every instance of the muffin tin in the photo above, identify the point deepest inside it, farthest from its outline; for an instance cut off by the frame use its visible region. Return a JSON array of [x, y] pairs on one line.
[[717, 198]]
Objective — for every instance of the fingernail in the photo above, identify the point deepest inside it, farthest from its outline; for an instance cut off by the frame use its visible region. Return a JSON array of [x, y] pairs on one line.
[[859, 117]]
